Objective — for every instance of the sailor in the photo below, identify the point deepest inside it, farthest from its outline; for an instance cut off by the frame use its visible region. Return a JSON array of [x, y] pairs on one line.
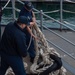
[[27, 11], [13, 47]]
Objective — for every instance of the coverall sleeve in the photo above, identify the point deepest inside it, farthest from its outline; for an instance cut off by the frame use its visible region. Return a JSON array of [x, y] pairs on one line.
[[21, 45]]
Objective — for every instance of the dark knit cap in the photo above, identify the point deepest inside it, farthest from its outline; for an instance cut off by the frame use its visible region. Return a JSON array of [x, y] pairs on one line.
[[23, 20], [28, 5]]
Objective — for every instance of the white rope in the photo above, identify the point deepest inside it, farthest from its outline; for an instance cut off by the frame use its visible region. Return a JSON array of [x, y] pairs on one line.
[[5, 5], [30, 41], [69, 11], [52, 11], [69, 23], [70, 1], [44, 50]]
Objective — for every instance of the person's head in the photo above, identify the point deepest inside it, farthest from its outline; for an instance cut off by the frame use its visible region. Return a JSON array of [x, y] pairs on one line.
[[28, 5], [23, 21]]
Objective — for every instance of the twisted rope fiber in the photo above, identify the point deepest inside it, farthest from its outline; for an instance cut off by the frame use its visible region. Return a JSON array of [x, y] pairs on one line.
[[42, 48]]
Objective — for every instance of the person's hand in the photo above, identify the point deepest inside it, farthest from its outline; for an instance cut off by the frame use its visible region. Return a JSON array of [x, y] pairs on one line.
[[31, 24], [35, 37]]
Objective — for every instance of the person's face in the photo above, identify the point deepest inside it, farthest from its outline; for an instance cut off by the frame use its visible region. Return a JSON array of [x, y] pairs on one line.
[[23, 26]]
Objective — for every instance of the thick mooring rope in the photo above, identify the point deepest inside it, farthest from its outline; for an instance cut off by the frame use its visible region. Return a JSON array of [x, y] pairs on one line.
[[42, 49]]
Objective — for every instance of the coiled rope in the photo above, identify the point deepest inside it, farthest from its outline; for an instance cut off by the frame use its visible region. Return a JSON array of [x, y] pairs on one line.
[[42, 48]]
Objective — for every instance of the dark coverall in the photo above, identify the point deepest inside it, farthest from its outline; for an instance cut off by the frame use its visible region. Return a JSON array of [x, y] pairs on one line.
[[57, 61], [12, 49], [31, 49]]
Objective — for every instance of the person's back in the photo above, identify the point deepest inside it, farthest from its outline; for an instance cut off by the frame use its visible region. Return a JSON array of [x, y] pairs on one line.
[[11, 36], [26, 13], [13, 47]]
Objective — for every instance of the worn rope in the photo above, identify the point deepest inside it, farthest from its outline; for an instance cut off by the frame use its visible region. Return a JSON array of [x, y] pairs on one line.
[[42, 48]]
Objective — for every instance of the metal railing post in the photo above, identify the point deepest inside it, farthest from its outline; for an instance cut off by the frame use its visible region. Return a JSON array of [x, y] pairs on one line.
[[41, 20], [13, 9], [61, 13]]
